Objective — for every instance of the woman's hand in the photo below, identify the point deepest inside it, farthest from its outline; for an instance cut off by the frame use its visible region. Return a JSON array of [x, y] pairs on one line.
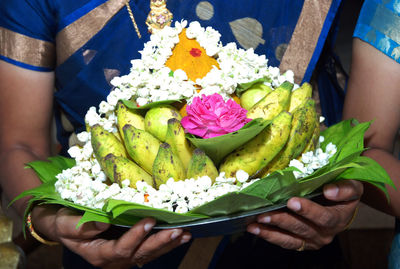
[[134, 247], [307, 224]]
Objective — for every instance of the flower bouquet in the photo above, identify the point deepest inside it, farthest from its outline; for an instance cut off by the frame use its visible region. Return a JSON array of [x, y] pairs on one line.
[[199, 130]]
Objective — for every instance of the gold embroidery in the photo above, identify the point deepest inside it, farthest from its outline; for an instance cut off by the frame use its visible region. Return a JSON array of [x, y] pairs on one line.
[[305, 37], [387, 22], [25, 49], [88, 55], [109, 74], [396, 53], [248, 32], [78, 33], [205, 10]]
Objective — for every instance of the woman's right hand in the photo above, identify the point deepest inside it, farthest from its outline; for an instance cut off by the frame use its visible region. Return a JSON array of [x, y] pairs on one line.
[[134, 247]]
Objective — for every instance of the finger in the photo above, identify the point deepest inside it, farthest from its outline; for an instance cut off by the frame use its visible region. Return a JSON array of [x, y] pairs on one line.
[[321, 216], [66, 226], [293, 224], [160, 243], [345, 190], [101, 251], [127, 244], [278, 237]]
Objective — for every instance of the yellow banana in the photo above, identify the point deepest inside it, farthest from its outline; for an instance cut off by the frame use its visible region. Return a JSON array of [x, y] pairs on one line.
[[303, 126], [167, 165], [156, 120], [201, 165], [142, 147], [258, 152], [272, 104], [127, 116], [118, 169], [179, 144], [104, 143], [300, 96]]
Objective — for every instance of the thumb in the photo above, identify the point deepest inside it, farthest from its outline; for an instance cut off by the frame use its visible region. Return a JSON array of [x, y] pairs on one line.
[[345, 190]]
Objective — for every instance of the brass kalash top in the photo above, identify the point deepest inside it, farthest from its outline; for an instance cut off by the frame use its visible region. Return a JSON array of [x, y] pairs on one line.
[[10, 255]]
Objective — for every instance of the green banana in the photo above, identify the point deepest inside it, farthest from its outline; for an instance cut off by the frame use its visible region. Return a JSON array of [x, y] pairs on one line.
[[313, 142], [254, 94], [201, 165], [128, 116], [303, 126], [272, 104], [104, 143], [179, 144], [142, 147], [300, 96], [156, 120], [119, 168], [167, 165], [258, 152]]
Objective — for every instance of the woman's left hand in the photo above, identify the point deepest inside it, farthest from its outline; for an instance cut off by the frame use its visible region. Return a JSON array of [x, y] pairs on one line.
[[307, 224]]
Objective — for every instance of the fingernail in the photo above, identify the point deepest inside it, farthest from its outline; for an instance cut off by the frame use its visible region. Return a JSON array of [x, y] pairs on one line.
[[266, 219], [175, 234], [331, 191], [185, 238], [148, 227], [254, 230], [294, 205]]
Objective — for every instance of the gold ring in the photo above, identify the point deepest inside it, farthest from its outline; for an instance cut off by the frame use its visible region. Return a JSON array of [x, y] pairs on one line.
[[302, 247]]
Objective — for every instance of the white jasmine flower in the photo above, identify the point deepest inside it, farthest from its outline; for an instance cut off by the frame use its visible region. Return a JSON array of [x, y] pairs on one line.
[[242, 176]]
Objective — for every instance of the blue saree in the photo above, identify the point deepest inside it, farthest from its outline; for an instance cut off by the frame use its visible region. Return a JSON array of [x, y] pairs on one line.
[[88, 42]]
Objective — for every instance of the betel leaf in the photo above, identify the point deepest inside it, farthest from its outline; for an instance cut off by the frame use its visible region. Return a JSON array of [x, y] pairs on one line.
[[218, 147], [133, 106], [242, 87], [369, 170], [348, 136], [270, 184], [47, 170], [304, 188], [123, 220], [118, 208], [231, 203]]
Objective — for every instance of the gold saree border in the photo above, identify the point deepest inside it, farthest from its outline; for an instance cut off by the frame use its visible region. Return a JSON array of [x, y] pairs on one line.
[[387, 22], [305, 37], [27, 50], [78, 33]]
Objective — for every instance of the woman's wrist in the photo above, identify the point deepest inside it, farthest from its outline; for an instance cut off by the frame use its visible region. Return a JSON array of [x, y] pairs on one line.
[[42, 218]]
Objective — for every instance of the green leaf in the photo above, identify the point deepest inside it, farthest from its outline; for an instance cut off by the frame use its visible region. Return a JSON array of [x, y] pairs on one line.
[[368, 171], [118, 207], [302, 188], [346, 137], [47, 170], [242, 87], [218, 147], [270, 184], [133, 106], [231, 203]]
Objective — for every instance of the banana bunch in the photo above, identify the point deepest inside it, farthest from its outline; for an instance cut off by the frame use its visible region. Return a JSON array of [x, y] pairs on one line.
[[150, 148], [294, 129], [153, 148]]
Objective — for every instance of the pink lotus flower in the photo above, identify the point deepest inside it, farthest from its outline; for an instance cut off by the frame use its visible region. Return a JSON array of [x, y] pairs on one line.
[[210, 116]]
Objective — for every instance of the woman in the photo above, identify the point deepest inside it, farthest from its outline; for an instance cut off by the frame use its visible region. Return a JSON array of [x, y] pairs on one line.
[[76, 47], [374, 95]]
